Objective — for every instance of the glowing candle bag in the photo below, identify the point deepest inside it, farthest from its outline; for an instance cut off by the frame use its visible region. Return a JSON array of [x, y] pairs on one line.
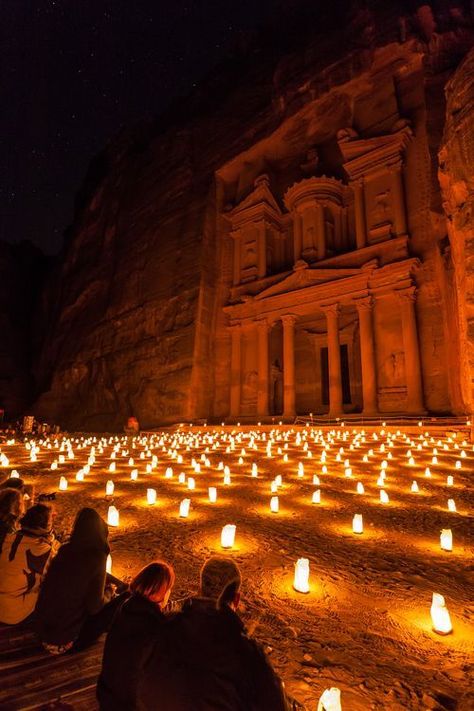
[[446, 539], [228, 535], [301, 580], [113, 516], [440, 615], [330, 700], [108, 564], [63, 483], [184, 508], [212, 494], [151, 496], [109, 488], [357, 524], [274, 504]]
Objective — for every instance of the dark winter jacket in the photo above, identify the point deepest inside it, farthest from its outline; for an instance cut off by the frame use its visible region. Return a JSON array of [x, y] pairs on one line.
[[208, 663], [137, 627], [73, 588]]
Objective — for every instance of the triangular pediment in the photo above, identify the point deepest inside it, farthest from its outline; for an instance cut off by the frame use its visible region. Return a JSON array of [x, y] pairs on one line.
[[260, 197], [303, 278]]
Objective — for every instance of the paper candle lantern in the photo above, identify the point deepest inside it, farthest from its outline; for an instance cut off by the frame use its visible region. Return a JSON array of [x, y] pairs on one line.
[[278, 480], [191, 483], [450, 480], [458, 464], [169, 473], [254, 470], [384, 497], [440, 615], [61, 459], [227, 480], [451, 505], [151, 496], [108, 565], [316, 481], [112, 467], [446, 539], [348, 472], [80, 475], [384, 464], [212, 494], [113, 517], [109, 488], [360, 488], [274, 504], [330, 700], [184, 508], [228, 535], [134, 474], [54, 465], [357, 524], [131, 462], [301, 580], [414, 487], [434, 460], [300, 469], [63, 483], [14, 474], [148, 468], [428, 472], [316, 497], [380, 481], [411, 462], [324, 469]]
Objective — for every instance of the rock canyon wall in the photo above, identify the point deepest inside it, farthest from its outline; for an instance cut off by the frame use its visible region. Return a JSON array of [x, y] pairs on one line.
[[286, 186]]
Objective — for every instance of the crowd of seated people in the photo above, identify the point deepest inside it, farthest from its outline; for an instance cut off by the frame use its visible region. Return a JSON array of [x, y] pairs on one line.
[[191, 657]]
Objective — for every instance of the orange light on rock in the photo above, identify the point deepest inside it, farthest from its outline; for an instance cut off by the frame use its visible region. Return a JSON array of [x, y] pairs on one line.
[[446, 539], [228, 535], [301, 579], [440, 615]]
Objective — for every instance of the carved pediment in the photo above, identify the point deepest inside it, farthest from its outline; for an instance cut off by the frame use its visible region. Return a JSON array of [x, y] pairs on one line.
[[259, 203], [364, 154], [303, 278]]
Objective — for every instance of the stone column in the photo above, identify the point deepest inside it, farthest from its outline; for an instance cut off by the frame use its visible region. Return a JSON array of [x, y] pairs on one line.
[[237, 247], [367, 355], [407, 299], [297, 235], [263, 368], [400, 223], [321, 231], [261, 251], [288, 322], [359, 209], [334, 360], [235, 370]]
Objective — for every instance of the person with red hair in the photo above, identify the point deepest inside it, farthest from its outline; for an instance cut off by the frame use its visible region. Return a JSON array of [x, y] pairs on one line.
[[137, 626]]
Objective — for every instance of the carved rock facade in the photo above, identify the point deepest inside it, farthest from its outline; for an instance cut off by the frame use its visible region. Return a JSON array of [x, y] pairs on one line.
[[283, 253]]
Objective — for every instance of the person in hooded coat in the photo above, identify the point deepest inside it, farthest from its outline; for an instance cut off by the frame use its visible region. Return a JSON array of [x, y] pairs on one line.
[[11, 508], [24, 556], [75, 606], [130, 641], [206, 661]]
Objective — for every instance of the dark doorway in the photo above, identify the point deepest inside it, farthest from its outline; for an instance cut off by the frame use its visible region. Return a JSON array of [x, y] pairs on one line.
[[346, 381]]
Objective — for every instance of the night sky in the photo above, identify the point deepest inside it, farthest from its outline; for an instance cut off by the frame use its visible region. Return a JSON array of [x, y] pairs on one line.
[[74, 71]]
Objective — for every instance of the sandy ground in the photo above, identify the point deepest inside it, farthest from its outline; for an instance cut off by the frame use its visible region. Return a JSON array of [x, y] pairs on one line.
[[365, 624]]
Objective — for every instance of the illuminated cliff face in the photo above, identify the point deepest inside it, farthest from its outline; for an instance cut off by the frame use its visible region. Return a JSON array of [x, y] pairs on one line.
[[280, 251]]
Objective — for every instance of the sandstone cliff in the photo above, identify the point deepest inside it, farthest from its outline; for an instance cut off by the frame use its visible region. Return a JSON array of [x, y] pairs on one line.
[[132, 319]]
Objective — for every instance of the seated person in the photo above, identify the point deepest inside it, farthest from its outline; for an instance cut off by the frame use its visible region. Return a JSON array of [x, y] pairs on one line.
[[24, 557], [206, 661], [72, 608], [11, 508], [135, 628], [27, 490]]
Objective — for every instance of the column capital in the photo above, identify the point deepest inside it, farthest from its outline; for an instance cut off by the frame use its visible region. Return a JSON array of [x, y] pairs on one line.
[[365, 304], [407, 295], [288, 320], [263, 322], [331, 310]]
